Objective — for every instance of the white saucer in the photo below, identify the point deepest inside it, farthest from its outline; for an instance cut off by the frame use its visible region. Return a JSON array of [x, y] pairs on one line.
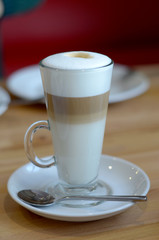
[[4, 100], [26, 83], [121, 176]]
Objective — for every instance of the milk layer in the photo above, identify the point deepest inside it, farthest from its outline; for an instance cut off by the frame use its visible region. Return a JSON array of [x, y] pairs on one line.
[[78, 149]]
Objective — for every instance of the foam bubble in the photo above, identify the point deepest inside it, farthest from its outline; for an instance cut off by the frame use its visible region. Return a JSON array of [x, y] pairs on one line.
[[76, 60]]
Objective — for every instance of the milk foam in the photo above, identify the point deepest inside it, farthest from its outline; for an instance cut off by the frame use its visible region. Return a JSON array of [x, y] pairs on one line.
[[76, 74], [76, 60]]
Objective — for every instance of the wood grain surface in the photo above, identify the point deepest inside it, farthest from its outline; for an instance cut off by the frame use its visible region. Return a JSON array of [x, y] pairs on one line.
[[132, 133]]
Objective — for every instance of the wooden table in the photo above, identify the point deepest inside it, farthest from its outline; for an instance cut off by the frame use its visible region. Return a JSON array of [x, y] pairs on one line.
[[132, 133]]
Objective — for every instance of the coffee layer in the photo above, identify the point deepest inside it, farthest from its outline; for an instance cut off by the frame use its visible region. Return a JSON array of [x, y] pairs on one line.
[[77, 110]]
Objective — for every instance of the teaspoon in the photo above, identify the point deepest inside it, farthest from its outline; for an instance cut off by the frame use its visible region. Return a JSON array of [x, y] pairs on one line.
[[39, 198]]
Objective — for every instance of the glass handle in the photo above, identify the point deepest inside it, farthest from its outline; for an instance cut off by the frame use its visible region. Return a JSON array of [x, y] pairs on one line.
[[28, 145]]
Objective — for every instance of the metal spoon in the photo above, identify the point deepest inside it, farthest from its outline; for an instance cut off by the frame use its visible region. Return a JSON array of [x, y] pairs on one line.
[[39, 198]]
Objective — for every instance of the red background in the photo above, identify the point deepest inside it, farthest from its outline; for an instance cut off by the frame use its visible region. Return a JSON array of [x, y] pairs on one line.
[[126, 31]]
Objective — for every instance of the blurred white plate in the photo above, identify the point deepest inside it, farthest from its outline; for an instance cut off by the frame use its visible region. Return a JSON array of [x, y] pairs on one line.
[[4, 100], [122, 178], [26, 83], [127, 84]]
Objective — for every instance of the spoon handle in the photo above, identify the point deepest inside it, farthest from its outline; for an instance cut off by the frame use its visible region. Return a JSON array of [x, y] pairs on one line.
[[123, 198]]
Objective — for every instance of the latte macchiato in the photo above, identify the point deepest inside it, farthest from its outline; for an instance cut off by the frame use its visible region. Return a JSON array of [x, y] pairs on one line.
[[77, 93]]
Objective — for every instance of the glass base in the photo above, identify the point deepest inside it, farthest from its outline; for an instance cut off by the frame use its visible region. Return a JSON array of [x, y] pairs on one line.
[[97, 189]]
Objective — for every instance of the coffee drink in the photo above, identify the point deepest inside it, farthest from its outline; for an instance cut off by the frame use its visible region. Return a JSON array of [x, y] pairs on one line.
[[76, 86]]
